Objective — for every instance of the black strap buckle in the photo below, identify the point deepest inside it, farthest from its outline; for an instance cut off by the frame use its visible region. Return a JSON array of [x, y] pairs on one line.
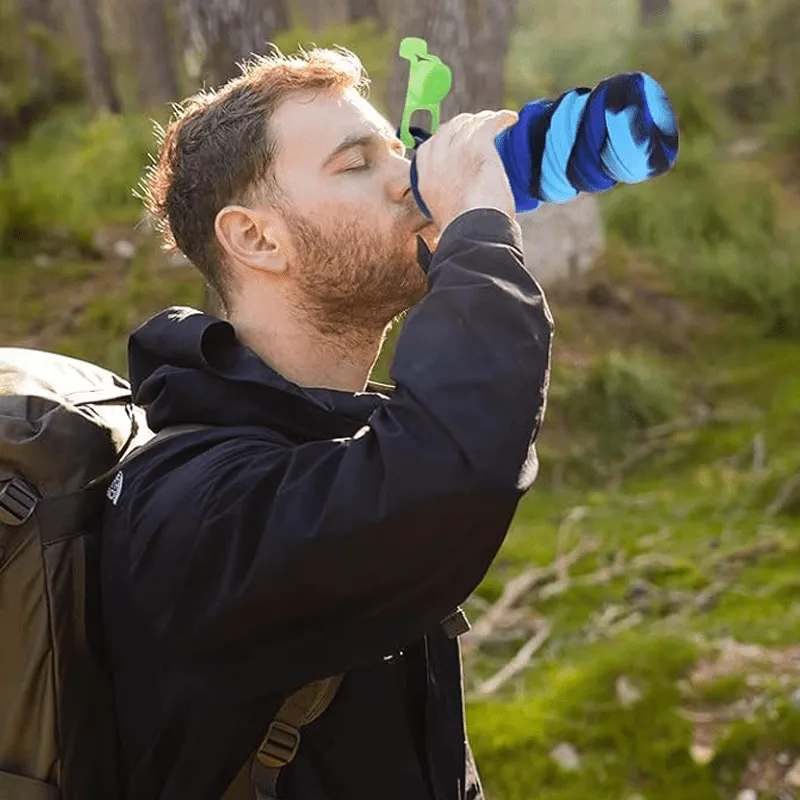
[[18, 501], [279, 746], [456, 624]]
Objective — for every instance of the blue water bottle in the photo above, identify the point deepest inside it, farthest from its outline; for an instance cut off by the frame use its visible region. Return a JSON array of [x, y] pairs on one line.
[[588, 140]]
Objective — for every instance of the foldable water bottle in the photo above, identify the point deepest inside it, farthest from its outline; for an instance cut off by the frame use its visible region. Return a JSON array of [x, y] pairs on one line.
[[588, 140]]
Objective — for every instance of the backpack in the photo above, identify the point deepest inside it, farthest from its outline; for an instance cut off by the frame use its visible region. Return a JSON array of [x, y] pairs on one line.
[[66, 426]]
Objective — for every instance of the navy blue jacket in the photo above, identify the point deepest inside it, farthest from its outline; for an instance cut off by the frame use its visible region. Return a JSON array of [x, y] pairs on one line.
[[312, 532]]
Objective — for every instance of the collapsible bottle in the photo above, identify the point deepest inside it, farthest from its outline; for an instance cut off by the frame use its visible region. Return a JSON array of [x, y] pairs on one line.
[[588, 140]]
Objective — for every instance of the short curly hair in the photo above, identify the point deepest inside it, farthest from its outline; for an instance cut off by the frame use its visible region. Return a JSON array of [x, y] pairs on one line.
[[217, 150]]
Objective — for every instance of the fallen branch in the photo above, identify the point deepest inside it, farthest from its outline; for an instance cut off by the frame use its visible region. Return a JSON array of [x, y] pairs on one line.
[[701, 418], [517, 664], [784, 495], [574, 516], [601, 625], [603, 575], [634, 457], [747, 553], [516, 589], [709, 596], [626, 623], [617, 569], [759, 453]]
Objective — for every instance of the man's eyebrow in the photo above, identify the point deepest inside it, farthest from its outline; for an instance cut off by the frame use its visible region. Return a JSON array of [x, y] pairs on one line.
[[361, 140]]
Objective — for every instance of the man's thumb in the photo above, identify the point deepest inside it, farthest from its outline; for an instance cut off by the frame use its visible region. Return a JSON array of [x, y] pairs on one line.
[[506, 118]]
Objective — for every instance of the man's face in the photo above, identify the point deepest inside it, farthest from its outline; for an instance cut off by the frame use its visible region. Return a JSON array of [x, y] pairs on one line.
[[351, 217]]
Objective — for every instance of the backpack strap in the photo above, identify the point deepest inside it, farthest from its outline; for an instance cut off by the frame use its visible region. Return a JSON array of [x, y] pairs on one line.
[[162, 435], [282, 740], [98, 396]]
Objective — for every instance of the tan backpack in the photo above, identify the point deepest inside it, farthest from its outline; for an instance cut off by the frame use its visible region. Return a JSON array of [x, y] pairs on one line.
[[64, 427]]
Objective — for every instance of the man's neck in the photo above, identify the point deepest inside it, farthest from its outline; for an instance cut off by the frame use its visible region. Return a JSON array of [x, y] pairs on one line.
[[307, 358]]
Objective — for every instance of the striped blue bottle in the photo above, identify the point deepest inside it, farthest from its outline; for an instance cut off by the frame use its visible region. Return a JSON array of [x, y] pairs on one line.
[[588, 140]]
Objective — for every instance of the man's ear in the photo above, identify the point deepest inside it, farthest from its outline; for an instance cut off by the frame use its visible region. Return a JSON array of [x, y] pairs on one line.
[[250, 237]]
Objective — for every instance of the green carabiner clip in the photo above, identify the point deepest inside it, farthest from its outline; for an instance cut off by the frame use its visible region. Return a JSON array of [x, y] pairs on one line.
[[429, 82]]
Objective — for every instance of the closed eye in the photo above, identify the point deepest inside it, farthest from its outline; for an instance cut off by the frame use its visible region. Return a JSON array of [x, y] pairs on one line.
[[359, 167]]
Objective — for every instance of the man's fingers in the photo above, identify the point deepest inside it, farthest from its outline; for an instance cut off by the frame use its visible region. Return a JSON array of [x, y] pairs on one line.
[[504, 119]]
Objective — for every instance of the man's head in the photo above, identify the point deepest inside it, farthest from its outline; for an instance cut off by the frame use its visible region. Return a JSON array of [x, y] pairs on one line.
[[288, 183]]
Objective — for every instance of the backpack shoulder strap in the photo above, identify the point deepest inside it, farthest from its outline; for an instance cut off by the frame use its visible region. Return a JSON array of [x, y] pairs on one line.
[[282, 740], [165, 433], [162, 435]]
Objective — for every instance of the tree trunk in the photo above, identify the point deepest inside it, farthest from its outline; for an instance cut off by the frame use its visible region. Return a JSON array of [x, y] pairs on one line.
[[388, 12], [38, 17], [319, 14], [363, 9], [487, 79], [230, 31], [96, 65], [458, 31], [653, 11], [152, 47]]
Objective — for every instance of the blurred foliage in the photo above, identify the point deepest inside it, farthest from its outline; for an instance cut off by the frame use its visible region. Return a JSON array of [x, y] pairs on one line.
[[73, 173], [723, 225], [719, 226], [77, 170], [617, 394], [26, 97]]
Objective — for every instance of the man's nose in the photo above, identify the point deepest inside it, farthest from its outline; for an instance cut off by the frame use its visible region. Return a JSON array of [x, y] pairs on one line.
[[399, 184]]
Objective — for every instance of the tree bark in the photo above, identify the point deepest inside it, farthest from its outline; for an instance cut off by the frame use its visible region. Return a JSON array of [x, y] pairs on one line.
[[230, 31], [653, 11], [96, 65], [491, 23], [38, 17], [152, 47], [470, 36], [388, 12], [319, 14], [363, 9]]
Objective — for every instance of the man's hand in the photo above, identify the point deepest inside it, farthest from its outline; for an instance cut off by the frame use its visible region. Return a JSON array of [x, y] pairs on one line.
[[460, 169]]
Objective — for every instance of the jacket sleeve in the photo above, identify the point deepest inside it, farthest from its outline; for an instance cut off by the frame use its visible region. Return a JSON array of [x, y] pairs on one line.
[[296, 563]]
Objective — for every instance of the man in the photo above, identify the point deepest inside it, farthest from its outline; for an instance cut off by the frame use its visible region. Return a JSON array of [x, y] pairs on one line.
[[319, 526]]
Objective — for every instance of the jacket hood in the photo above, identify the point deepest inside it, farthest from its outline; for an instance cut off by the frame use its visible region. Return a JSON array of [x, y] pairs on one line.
[[188, 367]]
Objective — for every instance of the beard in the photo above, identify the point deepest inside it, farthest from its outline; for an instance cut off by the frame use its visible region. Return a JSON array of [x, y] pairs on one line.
[[352, 277]]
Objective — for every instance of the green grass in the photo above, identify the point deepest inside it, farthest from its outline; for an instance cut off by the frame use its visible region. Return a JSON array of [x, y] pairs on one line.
[[637, 748], [699, 516], [575, 701], [87, 309], [774, 730]]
